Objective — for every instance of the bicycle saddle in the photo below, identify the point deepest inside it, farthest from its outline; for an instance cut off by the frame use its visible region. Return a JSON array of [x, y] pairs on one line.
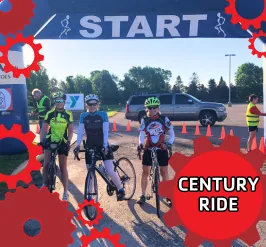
[[114, 147]]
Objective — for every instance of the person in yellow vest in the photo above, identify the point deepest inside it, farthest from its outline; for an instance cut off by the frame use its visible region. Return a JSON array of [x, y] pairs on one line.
[[253, 119], [43, 105]]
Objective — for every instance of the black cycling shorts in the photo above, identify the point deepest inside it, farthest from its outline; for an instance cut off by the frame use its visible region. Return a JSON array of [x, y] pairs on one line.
[[109, 156], [162, 157], [252, 128], [62, 149]]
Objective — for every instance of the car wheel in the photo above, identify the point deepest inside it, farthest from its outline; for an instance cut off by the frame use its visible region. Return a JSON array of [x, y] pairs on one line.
[[141, 115], [207, 118]]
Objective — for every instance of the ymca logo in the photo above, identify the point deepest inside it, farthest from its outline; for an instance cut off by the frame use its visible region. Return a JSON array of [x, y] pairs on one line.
[[74, 100]]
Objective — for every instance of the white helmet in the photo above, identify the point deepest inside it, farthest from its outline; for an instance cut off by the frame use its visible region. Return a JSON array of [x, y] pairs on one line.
[[91, 97]]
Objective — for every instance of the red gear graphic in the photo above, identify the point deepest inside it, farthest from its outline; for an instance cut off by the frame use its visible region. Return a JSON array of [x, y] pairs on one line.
[[17, 18], [99, 212], [220, 228], [41, 205], [114, 239], [16, 71], [245, 23], [33, 150], [252, 44]]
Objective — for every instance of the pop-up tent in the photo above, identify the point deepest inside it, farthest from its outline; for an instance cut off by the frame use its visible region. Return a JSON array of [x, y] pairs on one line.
[[119, 19]]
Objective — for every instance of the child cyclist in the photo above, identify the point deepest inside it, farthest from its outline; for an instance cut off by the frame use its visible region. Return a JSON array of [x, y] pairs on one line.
[[154, 127]]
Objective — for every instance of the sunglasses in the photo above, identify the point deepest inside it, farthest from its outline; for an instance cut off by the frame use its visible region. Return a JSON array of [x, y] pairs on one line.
[[153, 107], [92, 104], [59, 101]]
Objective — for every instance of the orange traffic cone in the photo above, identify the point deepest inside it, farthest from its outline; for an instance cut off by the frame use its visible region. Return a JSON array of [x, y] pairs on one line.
[[254, 144], [114, 127], [262, 145], [37, 129], [231, 132], [222, 133], [197, 131], [184, 129], [209, 132], [128, 127]]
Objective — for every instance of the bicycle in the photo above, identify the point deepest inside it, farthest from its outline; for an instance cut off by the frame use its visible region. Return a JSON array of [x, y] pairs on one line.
[[91, 176], [154, 176], [52, 168]]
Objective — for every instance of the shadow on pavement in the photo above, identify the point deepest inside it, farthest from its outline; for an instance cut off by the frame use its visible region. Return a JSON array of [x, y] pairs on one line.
[[149, 232], [126, 237]]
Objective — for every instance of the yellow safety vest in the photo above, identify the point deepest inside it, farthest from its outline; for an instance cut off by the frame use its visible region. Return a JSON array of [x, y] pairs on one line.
[[251, 119], [41, 107]]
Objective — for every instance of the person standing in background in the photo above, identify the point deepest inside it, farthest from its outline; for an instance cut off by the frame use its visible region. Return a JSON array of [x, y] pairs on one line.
[[42, 105], [252, 119]]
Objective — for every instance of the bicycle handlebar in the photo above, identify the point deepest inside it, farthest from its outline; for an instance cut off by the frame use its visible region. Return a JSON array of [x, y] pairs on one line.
[[156, 148]]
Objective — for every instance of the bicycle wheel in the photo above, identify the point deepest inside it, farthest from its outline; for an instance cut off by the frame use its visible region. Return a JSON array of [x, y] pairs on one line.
[[127, 174], [156, 185], [91, 190], [51, 176]]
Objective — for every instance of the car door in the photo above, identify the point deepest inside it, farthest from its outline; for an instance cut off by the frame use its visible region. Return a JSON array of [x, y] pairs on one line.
[[167, 107], [185, 108]]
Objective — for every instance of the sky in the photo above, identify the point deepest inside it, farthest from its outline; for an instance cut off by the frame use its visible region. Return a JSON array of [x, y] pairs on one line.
[[182, 56]]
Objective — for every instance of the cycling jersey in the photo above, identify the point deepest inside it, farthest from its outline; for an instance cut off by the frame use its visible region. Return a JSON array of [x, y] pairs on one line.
[[154, 129], [96, 126], [58, 121]]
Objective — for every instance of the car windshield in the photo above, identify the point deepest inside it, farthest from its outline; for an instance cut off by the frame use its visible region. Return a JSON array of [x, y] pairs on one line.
[[194, 98]]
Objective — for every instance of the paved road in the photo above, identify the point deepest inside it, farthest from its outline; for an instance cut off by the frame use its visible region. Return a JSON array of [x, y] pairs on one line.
[[139, 226]]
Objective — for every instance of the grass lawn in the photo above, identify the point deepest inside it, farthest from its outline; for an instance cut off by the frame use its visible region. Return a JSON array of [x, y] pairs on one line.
[[111, 110], [10, 162]]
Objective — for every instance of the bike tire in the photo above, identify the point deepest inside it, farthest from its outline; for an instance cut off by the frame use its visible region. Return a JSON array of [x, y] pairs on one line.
[[51, 176], [124, 176], [91, 211], [156, 187]]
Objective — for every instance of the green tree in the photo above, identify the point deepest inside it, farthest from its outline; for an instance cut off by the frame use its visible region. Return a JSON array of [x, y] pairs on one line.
[[178, 86], [53, 85], [105, 86], [212, 89], [83, 85], [150, 79], [39, 80], [63, 86], [203, 92], [249, 79], [127, 87], [222, 91], [193, 86], [70, 84]]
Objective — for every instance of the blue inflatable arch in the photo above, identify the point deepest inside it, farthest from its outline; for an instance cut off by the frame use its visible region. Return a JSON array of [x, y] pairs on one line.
[[118, 19]]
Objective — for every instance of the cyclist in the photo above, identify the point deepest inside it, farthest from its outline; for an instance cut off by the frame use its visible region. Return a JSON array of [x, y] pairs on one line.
[[61, 132], [154, 126], [96, 125]]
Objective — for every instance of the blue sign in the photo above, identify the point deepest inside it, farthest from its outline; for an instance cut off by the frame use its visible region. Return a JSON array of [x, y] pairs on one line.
[[82, 26], [149, 26]]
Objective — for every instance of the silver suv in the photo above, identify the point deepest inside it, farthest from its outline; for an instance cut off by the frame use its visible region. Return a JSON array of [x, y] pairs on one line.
[[178, 107]]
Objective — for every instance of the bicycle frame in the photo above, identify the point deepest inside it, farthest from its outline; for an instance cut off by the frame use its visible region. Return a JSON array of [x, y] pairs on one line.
[[52, 165], [155, 165], [93, 167]]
